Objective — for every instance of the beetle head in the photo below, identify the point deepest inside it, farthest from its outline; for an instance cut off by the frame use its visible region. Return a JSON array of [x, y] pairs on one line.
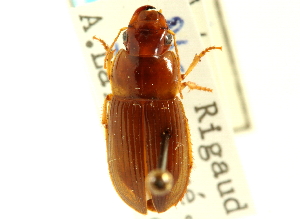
[[147, 33]]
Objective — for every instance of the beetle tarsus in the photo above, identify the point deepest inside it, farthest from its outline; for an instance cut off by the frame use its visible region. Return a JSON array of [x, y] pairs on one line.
[[193, 86]]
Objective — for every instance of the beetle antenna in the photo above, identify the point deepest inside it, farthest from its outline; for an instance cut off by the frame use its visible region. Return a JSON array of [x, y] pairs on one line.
[[175, 45], [160, 181], [197, 59], [109, 52], [106, 47]]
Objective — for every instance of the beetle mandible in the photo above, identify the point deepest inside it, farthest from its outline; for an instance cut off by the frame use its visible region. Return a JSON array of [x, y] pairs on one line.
[[147, 135]]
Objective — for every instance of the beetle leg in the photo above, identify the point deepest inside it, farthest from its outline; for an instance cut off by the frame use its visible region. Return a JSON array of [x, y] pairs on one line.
[[109, 52], [197, 59], [104, 114], [193, 86]]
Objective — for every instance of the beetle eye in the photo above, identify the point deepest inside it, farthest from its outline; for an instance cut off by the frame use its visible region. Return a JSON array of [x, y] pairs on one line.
[[168, 39], [125, 36]]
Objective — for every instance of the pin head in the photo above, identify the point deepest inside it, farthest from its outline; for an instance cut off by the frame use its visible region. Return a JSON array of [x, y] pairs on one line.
[[159, 182]]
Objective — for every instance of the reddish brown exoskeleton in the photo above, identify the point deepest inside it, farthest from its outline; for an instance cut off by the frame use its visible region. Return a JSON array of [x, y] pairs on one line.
[[147, 134]]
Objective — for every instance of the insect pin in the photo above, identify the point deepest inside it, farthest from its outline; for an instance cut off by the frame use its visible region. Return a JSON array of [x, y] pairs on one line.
[[148, 141]]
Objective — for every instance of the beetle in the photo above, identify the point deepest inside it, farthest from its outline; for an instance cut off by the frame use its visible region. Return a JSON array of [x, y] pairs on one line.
[[147, 135]]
